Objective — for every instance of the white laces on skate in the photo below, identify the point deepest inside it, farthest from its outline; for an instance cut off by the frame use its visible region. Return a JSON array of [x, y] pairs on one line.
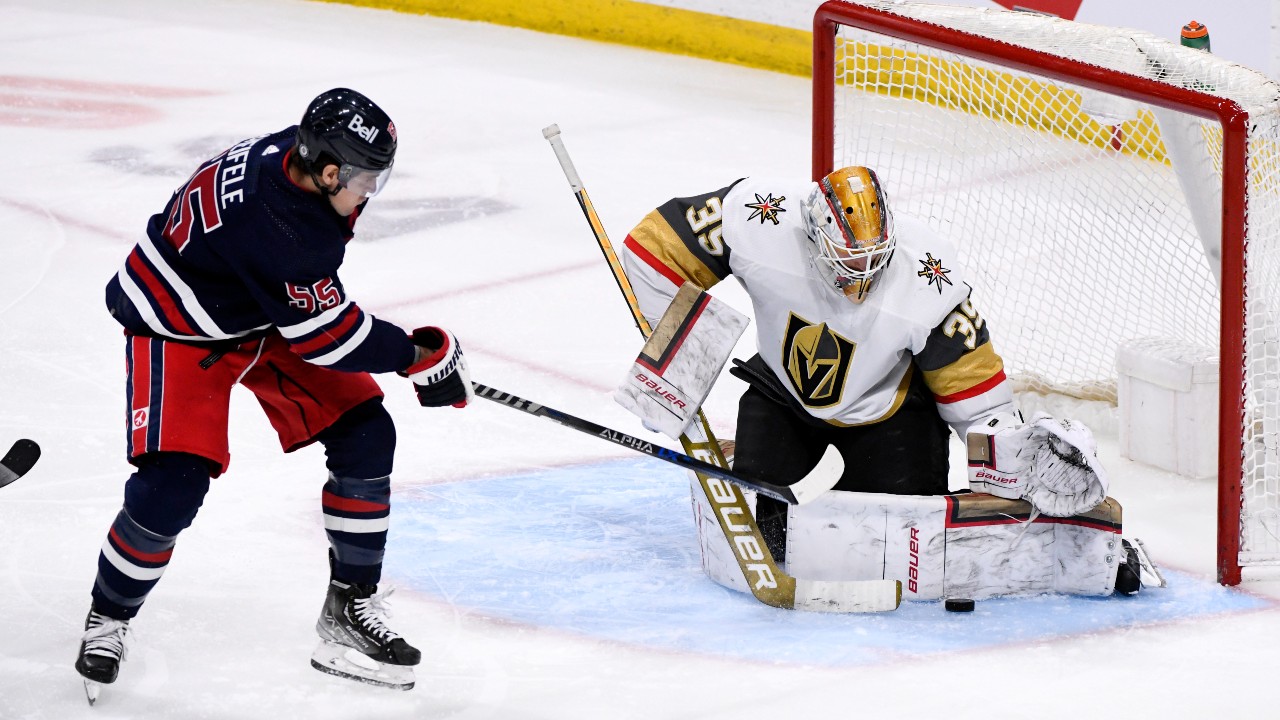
[[373, 611], [106, 636]]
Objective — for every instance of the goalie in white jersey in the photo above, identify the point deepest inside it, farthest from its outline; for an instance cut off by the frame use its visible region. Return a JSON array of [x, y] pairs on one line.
[[868, 340]]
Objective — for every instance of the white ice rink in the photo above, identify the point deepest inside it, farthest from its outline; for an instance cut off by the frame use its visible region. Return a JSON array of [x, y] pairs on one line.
[[544, 574]]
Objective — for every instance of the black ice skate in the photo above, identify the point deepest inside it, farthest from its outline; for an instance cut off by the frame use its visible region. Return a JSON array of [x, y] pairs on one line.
[[102, 648], [1136, 570], [355, 641], [1129, 574]]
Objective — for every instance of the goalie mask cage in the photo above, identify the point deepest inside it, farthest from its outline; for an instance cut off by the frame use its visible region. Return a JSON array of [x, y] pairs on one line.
[[1103, 185]]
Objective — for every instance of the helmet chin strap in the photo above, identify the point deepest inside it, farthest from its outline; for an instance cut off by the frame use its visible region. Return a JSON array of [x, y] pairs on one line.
[[315, 179], [327, 192]]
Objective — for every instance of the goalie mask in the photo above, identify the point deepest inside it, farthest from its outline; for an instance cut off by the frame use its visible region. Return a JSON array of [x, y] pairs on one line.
[[850, 230]]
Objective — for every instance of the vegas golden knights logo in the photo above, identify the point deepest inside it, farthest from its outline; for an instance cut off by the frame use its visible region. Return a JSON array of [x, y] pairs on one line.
[[817, 361]]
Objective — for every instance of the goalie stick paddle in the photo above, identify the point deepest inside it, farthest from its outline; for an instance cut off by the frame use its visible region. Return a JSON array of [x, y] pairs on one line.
[[819, 480], [769, 584], [20, 458]]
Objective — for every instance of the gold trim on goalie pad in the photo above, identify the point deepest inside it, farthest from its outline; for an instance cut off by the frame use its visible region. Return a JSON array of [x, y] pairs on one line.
[[970, 509], [674, 324], [657, 236]]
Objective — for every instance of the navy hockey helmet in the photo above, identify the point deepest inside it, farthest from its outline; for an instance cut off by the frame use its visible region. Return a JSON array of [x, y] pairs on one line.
[[347, 129]]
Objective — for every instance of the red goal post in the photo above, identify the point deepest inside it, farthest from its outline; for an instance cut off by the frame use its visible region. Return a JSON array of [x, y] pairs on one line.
[[1044, 148]]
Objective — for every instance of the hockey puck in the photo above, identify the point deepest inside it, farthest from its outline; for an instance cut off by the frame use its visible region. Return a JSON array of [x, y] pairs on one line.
[[958, 605]]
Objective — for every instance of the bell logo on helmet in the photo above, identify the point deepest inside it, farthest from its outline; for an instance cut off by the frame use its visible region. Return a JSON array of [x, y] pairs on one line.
[[368, 132], [391, 130]]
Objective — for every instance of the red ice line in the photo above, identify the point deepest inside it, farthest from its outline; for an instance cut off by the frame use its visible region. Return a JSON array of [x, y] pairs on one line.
[[61, 103], [45, 84]]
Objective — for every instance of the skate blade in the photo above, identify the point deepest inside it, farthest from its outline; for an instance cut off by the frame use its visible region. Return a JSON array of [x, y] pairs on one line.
[[1150, 574], [91, 690], [345, 662]]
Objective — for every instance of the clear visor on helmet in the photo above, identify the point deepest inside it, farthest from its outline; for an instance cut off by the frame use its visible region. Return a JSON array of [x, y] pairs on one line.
[[363, 181]]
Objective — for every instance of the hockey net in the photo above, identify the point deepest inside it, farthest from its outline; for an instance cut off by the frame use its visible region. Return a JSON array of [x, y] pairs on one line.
[[1103, 185]]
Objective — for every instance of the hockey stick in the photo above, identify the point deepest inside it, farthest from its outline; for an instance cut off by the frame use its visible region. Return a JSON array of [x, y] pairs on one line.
[[819, 480], [20, 458], [767, 582]]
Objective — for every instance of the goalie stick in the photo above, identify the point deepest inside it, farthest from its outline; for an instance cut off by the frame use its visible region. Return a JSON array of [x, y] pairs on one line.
[[771, 585], [20, 458], [819, 480]]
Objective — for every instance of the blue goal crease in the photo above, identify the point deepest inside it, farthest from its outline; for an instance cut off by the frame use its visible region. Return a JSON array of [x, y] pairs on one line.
[[609, 550]]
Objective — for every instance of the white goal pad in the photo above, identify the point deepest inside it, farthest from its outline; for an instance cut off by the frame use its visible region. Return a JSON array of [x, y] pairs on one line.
[[680, 362], [968, 545]]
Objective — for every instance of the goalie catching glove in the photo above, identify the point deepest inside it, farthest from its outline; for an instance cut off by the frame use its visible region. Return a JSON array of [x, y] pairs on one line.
[[439, 373], [1052, 464]]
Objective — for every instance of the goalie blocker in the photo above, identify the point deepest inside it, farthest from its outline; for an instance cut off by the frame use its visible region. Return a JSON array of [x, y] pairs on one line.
[[680, 361]]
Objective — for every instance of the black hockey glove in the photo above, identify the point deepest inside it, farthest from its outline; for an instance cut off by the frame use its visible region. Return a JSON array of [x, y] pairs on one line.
[[439, 374]]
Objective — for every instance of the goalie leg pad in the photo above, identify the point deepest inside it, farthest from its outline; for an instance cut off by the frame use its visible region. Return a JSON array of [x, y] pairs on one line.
[[718, 560], [968, 545]]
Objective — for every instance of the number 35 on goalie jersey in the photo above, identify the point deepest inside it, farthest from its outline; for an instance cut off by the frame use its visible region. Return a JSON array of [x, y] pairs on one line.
[[846, 363], [681, 240]]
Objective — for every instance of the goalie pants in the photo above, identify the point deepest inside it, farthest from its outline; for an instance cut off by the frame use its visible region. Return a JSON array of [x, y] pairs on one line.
[[903, 454], [170, 390]]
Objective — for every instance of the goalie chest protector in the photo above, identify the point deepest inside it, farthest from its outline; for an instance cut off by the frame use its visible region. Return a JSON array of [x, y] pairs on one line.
[[796, 312]]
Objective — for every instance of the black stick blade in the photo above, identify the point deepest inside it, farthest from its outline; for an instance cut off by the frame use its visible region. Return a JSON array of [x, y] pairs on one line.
[[20, 458]]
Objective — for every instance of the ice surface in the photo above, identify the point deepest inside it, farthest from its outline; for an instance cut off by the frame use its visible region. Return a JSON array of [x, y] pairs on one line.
[[544, 573], [608, 555]]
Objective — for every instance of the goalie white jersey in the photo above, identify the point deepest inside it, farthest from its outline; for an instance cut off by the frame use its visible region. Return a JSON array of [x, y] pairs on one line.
[[843, 363]]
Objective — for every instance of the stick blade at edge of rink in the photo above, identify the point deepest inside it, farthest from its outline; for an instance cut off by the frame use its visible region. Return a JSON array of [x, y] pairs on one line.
[[20, 459]]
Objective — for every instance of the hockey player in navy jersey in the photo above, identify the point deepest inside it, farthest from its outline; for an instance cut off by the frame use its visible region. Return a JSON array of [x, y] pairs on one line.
[[236, 282]]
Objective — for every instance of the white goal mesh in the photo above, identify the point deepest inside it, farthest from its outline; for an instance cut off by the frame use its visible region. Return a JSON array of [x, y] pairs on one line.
[[1082, 170]]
